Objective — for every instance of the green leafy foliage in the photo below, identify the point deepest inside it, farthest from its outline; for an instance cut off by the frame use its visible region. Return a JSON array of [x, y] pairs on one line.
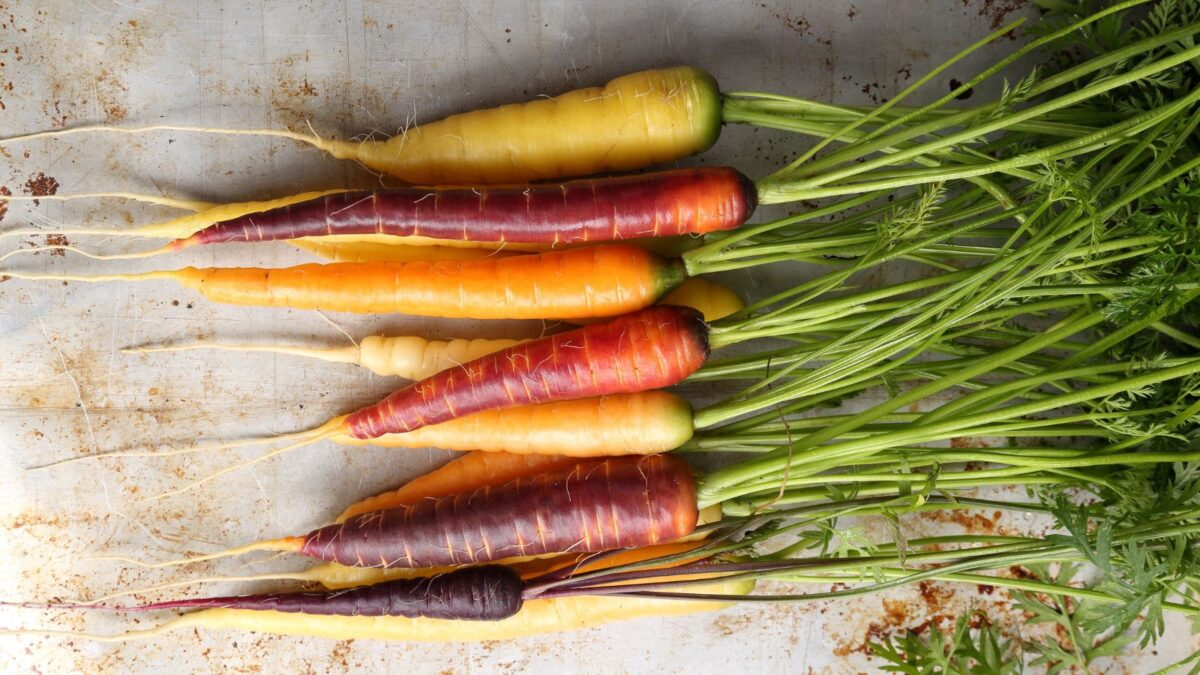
[[974, 646], [1077, 638]]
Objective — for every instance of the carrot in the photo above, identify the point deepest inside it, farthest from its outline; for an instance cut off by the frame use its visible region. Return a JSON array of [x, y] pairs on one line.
[[653, 348], [667, 203], [472, 471], [383, 248], [638, 352], [416, 358], [465, 473], [410, 357], [651, 422], [479, 593], [577, 283], [591, 506], [333, 576], [204, 215], [636, 120], [536, 616], [713, 300], [371, 251]]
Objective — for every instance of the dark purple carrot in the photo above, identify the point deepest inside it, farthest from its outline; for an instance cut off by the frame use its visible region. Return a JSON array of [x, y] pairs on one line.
[[480, 593]]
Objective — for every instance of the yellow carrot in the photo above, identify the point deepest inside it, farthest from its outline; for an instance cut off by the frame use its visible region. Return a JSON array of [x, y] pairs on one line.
[[633, 121]]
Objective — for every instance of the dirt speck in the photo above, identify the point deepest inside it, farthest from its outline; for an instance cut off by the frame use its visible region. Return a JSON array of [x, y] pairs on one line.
[[797, 24], [57, 240], [41, 185], [4, 192], [997, 11], [115, 112]]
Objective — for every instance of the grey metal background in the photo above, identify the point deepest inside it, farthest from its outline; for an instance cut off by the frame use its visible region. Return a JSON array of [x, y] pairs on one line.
[[347, 68]]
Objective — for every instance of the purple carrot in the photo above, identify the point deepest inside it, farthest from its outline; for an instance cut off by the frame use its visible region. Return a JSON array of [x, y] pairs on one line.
[[676, 202], [483, 593], [594, 506]]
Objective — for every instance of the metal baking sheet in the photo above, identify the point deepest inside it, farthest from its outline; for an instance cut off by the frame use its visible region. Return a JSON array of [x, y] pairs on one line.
[[351, 67]]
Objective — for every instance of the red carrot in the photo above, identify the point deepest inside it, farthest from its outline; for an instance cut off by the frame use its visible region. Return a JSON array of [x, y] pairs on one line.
[[683, 201], [653, 348]]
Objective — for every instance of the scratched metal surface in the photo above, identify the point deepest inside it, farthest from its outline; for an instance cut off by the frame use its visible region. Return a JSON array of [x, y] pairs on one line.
[[359, 66]]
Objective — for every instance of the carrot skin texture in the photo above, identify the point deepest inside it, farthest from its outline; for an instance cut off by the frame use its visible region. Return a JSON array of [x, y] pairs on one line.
[[666, 203], [360, 252], [578, 283], [466, 473], [650, 349], [591, 507], [482, 593], [634, 121]]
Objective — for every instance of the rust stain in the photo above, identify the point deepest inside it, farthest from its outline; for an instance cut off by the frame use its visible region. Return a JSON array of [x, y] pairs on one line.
[[57, 240], [41, 185], [997, 11]]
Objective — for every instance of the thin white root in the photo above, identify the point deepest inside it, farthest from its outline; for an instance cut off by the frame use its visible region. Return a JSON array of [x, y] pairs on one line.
[[84, 253], [145, 634], [249, 442], [335, 354], [237, 467], [171, 202], [282, 544], [295, 576], [78, 231], [59, 133]]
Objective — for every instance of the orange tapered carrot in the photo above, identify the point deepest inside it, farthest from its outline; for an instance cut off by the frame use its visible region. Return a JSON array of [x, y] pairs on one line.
[[576, 283]]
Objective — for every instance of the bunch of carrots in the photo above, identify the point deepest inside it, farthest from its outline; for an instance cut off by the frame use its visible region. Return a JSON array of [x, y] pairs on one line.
[[557, 519]]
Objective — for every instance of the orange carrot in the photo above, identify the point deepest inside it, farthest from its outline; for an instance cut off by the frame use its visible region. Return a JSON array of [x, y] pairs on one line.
[[576, 283]]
